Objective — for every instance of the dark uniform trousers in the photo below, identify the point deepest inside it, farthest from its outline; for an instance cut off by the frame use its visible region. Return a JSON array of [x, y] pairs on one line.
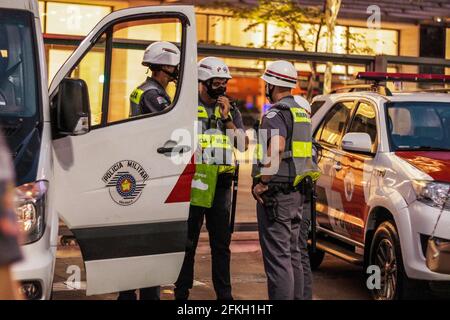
[[280, 244], [217, 223]]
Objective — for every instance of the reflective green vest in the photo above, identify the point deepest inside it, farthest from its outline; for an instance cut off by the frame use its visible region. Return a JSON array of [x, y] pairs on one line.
[[216, 146], [299, 150]]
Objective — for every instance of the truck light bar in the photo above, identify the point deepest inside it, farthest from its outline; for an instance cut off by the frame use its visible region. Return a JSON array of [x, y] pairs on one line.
[[403, 77]]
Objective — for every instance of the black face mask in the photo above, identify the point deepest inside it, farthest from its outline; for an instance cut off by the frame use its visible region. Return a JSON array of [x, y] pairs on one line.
[[215, 93], [269, 92]]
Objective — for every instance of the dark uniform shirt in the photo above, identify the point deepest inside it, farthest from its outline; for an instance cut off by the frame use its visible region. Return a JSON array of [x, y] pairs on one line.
[[9, 232], [154, 100], [224, 180], [279, 120], [234, 111]]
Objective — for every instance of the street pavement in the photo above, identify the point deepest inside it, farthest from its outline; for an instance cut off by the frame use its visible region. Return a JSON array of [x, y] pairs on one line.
[[335, 279]]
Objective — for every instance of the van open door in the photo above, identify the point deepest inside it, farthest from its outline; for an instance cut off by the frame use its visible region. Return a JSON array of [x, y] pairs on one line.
[[122, 184]]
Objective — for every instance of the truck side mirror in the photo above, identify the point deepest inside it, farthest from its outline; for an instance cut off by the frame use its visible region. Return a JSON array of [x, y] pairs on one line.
[[357, 141], [72, 107]]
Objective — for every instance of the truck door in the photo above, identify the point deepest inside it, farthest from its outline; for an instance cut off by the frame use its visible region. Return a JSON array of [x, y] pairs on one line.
[[328, 135], [353, 180], [123, 188]]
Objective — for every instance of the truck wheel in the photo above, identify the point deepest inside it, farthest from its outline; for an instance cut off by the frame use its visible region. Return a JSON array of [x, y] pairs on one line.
[[315, 258], [385, 252]]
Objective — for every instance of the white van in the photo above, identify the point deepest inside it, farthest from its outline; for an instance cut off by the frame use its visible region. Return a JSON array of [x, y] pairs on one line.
[[115, 181]]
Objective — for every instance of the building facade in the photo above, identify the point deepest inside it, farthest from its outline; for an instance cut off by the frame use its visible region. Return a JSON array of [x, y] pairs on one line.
[[66, 22]]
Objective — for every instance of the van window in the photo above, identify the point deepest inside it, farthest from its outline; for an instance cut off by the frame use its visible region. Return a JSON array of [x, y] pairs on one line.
[[92, 70], [113, 68], [127, 71], [334, 123]]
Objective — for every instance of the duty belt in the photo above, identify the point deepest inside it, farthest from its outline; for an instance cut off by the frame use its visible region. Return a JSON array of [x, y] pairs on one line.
[[284, 187]]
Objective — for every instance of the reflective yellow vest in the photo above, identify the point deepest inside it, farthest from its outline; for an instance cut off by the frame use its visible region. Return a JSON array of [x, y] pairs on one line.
[[300, 150], [215, 144]]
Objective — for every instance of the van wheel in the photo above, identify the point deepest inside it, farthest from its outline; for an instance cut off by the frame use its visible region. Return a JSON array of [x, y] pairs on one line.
[[315, 258], [385, 252]]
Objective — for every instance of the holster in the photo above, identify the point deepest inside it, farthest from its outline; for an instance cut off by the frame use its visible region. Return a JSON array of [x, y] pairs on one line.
[[271, 202]]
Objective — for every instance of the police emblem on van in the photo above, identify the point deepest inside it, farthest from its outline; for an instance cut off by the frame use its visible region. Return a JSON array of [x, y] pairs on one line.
[[125, 181]]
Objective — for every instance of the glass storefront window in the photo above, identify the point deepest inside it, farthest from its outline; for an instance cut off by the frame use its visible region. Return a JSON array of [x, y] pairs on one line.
[[230, 31], [336, 69], [339, 39], [302, 66], [244, 63], [202, 27], [278, 38], [353, 70], [373, 41], [73, 19]]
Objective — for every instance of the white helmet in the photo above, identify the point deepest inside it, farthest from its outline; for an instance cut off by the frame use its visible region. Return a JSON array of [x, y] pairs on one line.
[[161, 53], [212, 67], [281, 73]]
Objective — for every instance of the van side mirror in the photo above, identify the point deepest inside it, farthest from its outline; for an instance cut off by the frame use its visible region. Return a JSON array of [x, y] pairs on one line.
[[357, 141], [72, 107]]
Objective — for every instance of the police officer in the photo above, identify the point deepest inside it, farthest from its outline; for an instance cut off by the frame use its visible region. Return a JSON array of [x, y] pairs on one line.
[[220, 116], [284, 164], [163, 59]]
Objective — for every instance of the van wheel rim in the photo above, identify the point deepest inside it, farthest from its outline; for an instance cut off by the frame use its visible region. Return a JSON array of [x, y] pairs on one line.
[[387, 261]]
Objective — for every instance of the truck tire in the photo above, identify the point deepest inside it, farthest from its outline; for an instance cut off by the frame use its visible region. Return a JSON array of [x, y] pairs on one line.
[[385, 252]]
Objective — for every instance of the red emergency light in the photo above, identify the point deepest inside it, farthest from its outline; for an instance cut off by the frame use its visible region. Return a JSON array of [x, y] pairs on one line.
[[403, 77]]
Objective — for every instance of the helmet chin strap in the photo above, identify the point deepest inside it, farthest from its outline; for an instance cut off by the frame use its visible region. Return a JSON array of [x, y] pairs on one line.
[[269, 92], [173, 75]]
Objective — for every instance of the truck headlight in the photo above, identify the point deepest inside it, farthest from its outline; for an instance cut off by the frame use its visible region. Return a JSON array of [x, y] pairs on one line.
[[30, 209], [432, 193]]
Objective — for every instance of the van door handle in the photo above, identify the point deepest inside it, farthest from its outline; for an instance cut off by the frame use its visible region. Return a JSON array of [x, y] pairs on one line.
[[170, 150], [337, 166]]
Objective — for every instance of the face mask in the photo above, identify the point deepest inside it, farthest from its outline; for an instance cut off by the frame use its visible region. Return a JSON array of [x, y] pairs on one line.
[[215, 93], [269, 92]]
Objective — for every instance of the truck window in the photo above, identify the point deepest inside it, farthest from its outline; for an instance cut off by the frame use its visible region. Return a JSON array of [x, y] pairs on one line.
[[315, 106], [365, 120], [334, 123]]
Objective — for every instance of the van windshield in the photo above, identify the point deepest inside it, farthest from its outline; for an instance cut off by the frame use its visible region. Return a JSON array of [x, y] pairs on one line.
[[18, 81], [421, 126], [20, 116]]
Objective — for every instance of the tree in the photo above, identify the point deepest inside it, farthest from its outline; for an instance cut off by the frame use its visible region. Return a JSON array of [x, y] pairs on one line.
[[331, 12], [300, 26]]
